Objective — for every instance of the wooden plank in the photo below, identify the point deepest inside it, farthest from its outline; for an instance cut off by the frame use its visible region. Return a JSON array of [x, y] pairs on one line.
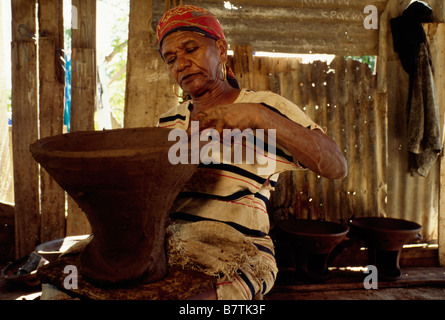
[[83, 89], [149, 88], [6, 173], [83, 100], [243, 65], [441, 221], [83, 92], [84, 36], [52, 89], [25, 125], [436, 35]]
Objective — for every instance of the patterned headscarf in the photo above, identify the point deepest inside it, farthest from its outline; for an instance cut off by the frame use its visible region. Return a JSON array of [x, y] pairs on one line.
[[192, 18]]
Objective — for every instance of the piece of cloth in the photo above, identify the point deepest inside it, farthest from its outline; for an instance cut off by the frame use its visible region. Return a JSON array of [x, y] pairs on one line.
[[423, 116], [422, 109], [196, 19], [221, 223], [245, 266]]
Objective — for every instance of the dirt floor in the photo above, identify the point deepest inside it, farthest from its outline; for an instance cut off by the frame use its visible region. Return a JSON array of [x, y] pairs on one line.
[[415, 284], [406, 293]]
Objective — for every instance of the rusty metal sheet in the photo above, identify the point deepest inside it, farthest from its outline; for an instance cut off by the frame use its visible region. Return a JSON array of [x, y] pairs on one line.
[[294, 26]]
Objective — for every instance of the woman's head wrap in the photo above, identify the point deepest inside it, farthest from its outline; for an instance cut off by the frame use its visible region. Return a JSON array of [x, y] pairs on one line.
[[192, 18]]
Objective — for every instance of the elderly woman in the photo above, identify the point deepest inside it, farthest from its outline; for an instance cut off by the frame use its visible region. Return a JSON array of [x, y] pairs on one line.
[[220, 222]]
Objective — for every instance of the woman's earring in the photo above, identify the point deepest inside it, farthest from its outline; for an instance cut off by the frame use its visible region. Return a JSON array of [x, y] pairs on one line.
[[224, 71], [181, 94], [176, 91]]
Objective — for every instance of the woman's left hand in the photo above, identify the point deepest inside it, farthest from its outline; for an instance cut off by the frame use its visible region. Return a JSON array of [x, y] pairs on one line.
[[229, 116]]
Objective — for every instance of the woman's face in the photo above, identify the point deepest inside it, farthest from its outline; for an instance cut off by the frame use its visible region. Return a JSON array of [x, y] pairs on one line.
[[194, 61]]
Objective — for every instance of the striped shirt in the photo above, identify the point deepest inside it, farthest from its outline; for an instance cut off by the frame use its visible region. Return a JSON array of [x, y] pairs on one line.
[[232, 193]]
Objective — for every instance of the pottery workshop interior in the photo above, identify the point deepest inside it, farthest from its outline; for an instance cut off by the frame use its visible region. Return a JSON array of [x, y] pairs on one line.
[[109, 191]]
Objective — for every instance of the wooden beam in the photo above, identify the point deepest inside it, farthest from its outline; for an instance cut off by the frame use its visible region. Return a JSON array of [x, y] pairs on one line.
[[52, 89], [6, 180], [84, 36], [437, 31], [83, 89], [149, 89], [243, 66], [25, 125], [441, 223], [83, 92]]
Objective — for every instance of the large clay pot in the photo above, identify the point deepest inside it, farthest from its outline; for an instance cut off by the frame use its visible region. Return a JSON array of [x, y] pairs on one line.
[[123, 181]]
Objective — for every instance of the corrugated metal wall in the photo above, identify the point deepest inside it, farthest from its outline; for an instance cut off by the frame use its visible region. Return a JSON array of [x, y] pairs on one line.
[[342, 97]]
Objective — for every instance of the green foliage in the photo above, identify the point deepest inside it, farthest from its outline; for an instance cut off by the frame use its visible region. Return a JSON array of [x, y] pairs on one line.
[[8, 101], [369, 60]]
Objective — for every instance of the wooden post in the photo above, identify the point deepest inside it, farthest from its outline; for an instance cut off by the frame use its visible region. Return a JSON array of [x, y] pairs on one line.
[[25, 125], [436, 35], [243, 65], [52, 85], [83, 92], [6, 180], [149, 89]]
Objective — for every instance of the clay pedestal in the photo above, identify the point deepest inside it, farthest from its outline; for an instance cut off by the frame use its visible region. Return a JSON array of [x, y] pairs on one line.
[[312, 242], [385, 238]]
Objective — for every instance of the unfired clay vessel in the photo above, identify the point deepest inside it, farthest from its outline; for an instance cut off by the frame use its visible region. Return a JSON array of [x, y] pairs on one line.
[[385, 238], [312, 242], [123, 181]]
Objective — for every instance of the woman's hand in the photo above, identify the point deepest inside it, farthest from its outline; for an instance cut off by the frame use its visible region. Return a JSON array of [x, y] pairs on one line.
[[229, 116]]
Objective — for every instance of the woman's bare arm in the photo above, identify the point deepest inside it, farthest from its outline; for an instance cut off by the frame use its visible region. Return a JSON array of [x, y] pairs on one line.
[[311, 148]]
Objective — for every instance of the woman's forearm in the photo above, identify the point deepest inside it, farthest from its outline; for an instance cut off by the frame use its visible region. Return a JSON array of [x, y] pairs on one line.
[[311, 148]]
